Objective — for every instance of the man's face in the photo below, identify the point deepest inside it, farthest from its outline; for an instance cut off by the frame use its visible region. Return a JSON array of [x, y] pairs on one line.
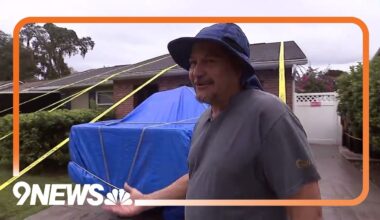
[[212, 73]]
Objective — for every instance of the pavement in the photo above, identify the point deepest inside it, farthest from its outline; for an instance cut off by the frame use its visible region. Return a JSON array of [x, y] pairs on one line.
[[340, 180]]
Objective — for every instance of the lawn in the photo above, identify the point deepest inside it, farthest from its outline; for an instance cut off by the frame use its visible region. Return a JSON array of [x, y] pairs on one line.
[[8, 207]]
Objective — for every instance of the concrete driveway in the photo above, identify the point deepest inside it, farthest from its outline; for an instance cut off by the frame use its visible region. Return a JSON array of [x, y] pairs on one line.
[[340, 180]]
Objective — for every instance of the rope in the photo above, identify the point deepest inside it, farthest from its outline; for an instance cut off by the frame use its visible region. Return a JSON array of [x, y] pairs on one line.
[[65, 141], [74, 96], [131, 168], [104, 154], [94, 175], [62, 87]]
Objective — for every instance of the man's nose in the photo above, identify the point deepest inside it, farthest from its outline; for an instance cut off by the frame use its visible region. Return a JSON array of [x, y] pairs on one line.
[[198, 70]]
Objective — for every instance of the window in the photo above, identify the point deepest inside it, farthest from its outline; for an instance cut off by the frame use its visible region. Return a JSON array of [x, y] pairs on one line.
[[104, 97], [144, 93]]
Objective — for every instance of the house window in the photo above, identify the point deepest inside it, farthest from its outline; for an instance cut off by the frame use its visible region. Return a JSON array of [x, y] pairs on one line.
[[144, 93], [104, 97]]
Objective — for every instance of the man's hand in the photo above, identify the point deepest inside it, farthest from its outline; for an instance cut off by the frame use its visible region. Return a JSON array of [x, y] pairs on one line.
[[176, 190], [128, 210]]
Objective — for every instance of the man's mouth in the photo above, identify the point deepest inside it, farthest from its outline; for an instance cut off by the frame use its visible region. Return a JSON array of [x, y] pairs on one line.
[[201, 85]]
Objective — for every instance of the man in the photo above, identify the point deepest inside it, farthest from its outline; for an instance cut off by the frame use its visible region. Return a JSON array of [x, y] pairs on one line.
[[247, 145]]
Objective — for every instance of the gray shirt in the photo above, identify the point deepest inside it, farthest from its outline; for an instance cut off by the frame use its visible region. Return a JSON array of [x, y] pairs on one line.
[[255, 149]]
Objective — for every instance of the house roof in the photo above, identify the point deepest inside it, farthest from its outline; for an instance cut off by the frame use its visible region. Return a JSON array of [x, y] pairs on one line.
[[263, 56], [6, 87], [83, 79], [377, 54], [266, 55]]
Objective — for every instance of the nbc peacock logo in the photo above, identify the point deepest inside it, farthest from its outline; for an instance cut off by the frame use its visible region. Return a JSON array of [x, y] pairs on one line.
[[118, 196]]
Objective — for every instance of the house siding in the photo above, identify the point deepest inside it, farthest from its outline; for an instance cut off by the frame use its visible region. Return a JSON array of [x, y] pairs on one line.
[[270, 81], [122, 88], [80, 102]]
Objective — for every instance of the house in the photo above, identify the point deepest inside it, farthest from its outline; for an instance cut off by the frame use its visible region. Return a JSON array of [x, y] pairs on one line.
[[28, 94], [377, 54], [100, 95], [264, 58]]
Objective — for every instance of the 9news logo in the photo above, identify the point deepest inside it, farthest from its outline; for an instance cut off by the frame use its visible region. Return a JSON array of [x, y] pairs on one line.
[[55, 194]]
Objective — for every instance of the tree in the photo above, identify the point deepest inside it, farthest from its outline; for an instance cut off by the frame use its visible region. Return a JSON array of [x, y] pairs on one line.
[[317, 81], [28, 66], [49, 44], [5, 57], [350, 100], [374, 103]]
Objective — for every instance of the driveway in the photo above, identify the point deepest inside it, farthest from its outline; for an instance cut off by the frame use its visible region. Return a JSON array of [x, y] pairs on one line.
[[340, 180]]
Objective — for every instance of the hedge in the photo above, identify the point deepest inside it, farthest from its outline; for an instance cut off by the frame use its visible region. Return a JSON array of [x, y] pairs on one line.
[[41, 131], [350, 102]]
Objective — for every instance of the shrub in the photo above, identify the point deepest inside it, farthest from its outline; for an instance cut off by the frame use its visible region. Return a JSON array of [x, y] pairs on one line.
[[374, 103], [350, 102], [40, 132]]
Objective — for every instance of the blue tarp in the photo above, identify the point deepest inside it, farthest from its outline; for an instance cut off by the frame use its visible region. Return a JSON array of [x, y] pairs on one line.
[[148, 148]]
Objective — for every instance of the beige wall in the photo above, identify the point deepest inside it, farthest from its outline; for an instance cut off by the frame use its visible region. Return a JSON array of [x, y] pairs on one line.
[[269, 79], [122, 88], [80, 102]]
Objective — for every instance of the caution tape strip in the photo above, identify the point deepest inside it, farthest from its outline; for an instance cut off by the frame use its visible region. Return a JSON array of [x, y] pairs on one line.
[[281, 67], [58, 146], [75, 95], [60, 88]]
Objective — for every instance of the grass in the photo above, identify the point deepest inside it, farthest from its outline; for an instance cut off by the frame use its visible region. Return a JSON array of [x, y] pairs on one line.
[[8, 207]]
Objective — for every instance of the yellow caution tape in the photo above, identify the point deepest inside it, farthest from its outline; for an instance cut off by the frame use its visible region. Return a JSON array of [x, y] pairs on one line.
[[57, 147], [75, 95], [55, 90], [281, 79], [104, 80]]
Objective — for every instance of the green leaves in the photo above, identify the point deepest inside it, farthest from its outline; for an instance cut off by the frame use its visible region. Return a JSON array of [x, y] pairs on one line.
[[350, 101], [5, 57], [41, 131], [349, 88], [49, 44], [317, 81], [42, 51], [374, 103]]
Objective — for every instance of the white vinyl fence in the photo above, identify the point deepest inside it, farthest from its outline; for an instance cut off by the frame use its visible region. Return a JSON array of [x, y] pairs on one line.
[[318, 115]]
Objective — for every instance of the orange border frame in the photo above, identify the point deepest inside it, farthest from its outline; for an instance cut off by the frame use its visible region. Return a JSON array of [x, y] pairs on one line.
[[350, 20]]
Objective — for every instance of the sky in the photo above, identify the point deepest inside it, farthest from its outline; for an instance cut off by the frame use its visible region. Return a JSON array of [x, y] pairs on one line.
[[335, 46]]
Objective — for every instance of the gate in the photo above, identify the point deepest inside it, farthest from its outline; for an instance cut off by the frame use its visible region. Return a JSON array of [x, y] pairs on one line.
[[318, 115]]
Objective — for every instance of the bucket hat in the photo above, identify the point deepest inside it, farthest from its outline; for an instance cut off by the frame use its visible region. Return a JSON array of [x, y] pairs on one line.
[[228, 35]]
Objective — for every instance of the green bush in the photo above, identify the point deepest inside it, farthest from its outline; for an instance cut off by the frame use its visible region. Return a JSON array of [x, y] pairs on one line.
[[374, 103], [40, 132], [350, 101], [349, 88]]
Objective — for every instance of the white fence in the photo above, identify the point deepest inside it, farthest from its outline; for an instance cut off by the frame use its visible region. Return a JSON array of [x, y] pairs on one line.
[[318, 115]]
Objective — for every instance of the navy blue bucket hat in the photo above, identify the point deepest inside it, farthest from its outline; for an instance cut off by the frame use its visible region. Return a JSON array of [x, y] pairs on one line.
[[228, 35]]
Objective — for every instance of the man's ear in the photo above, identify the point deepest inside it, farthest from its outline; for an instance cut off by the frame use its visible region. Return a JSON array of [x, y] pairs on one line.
[[237, 66]]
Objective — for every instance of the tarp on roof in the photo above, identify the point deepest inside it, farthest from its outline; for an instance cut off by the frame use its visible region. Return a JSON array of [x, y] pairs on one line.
[[148, 148]]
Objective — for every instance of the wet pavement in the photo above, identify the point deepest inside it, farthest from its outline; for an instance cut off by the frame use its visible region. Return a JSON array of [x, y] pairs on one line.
[[340, 180]]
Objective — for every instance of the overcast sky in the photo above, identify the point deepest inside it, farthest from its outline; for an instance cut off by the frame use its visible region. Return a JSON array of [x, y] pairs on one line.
[[325, 45]]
